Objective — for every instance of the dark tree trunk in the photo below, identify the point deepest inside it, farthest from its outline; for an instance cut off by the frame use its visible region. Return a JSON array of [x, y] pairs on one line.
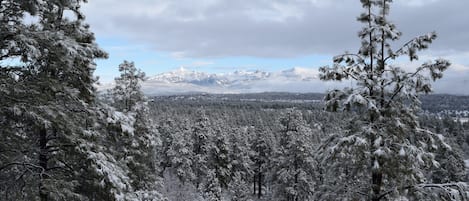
[[43, 163], [259, 184], [377, 178], [295, 198], [254, 184]]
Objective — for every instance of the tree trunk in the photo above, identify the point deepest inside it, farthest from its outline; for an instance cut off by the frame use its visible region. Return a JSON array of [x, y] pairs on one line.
[[295, 198], [259, 179], [42, 163], [254, 184], [377, 179], [259, 184]]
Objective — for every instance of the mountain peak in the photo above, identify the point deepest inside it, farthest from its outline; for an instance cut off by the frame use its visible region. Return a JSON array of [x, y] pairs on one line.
[[181, 68]]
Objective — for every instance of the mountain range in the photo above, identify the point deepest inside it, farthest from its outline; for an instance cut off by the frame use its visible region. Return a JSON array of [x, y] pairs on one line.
[[183, 80], [294, 80]]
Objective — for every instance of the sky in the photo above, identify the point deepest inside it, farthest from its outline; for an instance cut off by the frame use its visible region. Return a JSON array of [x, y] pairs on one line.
[[219, 36]]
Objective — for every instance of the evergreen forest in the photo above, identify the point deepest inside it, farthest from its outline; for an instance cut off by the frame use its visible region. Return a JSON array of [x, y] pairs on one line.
[[383, 138]]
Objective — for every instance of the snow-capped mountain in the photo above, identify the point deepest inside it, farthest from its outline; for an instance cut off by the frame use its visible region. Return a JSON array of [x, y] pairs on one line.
[[183, 75], [241, 81]]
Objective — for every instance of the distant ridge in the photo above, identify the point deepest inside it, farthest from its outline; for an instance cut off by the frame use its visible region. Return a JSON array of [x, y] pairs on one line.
[[183, 81], [293, 80]]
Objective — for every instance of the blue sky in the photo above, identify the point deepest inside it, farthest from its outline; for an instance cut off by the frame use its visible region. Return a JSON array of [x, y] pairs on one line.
[[153, 62]]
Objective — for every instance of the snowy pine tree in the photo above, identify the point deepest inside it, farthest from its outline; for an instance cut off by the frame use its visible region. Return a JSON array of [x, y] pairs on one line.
[[241, 154], [137, 136], [294, 163], [385, 152], [219, 160], [211, 188], [166, 130], [127, 92], [239, 189], [181, 156], [263, 147], [47, 96], [202, 134]]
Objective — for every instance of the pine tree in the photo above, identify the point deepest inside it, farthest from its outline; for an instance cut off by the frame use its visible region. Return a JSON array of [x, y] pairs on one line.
[[239, 189], [181, 155], [451, 166], [241, 154], [202, 134], [219, 160], [263, 147], [385, 151], [294, 164], [166, 130], [211, 188], [46, 97], [127, 92], [137, 137], [103, 176]]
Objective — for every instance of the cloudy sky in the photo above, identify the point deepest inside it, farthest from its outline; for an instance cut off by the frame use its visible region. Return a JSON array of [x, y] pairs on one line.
[[271, 35]]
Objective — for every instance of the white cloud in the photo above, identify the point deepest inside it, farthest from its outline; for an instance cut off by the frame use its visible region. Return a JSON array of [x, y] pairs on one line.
[[267, 28], [177, 55], [277, 12], [459, 68], [197, 65], [207, 29], [201, 63], [416, 2]]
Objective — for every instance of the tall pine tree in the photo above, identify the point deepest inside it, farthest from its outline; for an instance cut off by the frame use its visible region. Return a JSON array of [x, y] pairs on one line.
[[385, 152], [294, 161], [47, 95], [137, 135]]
